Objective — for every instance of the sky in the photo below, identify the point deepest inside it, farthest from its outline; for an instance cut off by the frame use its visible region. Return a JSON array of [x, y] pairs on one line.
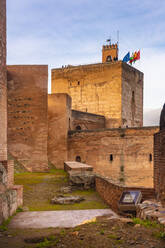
[[62, 32]]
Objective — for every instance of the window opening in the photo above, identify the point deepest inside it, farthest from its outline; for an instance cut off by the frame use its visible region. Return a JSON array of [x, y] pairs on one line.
[[78, 158], [78, 128], [111, 157], [150, 157]]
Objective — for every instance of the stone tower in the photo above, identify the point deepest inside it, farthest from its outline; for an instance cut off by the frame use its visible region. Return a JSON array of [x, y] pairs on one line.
[[3, 86], [110, 53]]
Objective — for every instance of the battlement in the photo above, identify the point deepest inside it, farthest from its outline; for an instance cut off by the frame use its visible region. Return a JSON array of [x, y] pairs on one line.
[[112, 46]]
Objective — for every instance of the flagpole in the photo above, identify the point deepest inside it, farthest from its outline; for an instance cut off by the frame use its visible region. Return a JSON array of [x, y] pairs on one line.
[[118, 41]]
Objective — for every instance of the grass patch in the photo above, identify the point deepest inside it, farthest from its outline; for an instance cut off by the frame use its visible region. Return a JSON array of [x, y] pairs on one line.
[[47, 243], [5, 223], [146, 223], [159, 235], [40, 188], [102, 232]]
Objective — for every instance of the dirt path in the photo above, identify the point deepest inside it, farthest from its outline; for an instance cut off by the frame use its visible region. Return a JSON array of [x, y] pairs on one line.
[[101, 233], [46, 219]]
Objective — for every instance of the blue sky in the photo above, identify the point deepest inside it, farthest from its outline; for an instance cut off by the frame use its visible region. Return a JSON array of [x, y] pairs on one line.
[[61, 32]]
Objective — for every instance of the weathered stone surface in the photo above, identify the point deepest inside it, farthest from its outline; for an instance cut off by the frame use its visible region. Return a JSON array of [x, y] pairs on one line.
[[85, 179], [77, 166], [83, 121], [27, 115], [3, 84], [159, 165], [111, 192], [66, 190], [131, 149], [151, 210], [64, 200], [162, 118], [59, 120], [105, 89]]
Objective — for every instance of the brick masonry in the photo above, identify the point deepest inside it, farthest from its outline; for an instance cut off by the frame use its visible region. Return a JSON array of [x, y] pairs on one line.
[[3, 90], [122, 154], [11, 196], [159, 165], [86, 121], [27, 115], [59, 119], [114, 90], [111, 192]]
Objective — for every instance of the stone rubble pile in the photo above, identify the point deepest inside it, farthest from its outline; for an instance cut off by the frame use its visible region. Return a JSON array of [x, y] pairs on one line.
[[64, 200], [151, 210]]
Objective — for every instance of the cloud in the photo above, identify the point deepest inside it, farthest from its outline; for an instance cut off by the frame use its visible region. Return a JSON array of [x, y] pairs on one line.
[[151, 117], [72, 32]]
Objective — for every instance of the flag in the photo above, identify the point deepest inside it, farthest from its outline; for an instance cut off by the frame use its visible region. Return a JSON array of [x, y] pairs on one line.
[[131, 59], [138, 55], [135, 56], [126, 57]]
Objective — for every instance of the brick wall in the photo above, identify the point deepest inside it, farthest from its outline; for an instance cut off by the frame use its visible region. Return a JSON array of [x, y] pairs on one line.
[[104, 89], [159, 165], [3, 92], [27, 115], [94, 88], [59, 119], [111, 192], [9, 166], [132, 96], [121, 154], [11, 196], [86, 120]]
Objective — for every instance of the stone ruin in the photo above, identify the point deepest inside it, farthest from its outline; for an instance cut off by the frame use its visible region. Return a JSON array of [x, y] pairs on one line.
[[10, 194]]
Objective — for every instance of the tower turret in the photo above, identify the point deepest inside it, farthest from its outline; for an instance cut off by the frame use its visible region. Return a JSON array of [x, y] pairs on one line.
[[109, 53]]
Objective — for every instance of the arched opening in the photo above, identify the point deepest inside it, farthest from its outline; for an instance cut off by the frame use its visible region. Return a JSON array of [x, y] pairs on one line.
[[78, 82], [78, 128], [78, 159], [109, 58]]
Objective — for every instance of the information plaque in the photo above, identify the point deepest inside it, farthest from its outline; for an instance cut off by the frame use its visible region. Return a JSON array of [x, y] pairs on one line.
[[129, 200]]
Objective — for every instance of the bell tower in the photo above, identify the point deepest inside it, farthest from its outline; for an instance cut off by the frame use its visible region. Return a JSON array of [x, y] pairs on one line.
[[109, 53]]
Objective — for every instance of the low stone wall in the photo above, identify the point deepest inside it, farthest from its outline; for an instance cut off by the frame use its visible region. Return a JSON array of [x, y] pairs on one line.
[[110, 192], [11, 196]]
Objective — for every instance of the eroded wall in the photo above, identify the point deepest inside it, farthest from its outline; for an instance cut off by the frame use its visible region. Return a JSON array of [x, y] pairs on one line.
[[27, 115], [159, 165], [94, 88], [59, 121], [3, 92], [85, 121], [125, 155], [132, 97]]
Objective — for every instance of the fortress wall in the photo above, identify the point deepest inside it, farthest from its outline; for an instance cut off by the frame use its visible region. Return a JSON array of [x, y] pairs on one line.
[[27, 115], [87, 120], [3, 92], [120, 154], [94, 88], [59, 121], [132, 96], [159, 165]]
